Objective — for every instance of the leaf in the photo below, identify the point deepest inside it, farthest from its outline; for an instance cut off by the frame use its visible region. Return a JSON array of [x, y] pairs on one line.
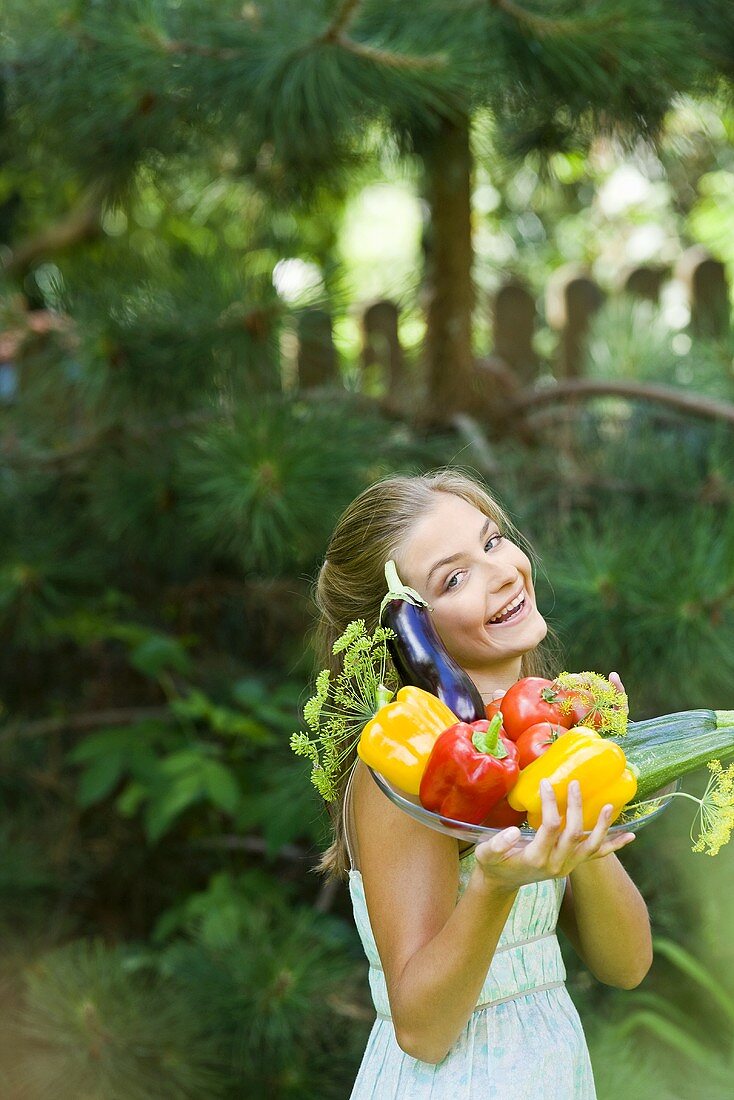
[[669, 1033], [197, 707], [685, 962], [159, 653], [163, 810], [131, 798], [100, 778], [221, 786]]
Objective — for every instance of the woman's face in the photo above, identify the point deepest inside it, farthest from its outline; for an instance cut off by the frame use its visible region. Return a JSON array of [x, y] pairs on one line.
[[479, 585]]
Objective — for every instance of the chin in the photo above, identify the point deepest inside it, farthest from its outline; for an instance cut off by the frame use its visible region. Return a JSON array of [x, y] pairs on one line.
[[542, 629]]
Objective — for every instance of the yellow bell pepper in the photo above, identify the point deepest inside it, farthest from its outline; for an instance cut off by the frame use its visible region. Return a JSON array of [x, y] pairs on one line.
[[398, 740], [599, 765]]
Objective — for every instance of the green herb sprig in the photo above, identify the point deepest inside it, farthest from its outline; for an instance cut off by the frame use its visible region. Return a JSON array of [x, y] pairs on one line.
[[344, 703], [714, 821], [607, 703]]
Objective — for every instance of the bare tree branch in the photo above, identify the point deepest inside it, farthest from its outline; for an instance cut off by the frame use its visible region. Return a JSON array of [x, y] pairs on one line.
[[44, 727], [583, 389], [81, 224]]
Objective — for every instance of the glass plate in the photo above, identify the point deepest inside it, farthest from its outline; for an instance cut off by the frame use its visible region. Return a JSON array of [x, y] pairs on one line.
[[462, 830]]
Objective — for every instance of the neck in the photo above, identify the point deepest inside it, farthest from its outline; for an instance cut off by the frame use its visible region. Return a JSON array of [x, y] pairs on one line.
[[497, 678]]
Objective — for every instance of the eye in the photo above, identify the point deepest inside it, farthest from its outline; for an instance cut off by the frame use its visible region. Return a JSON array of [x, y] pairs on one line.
[[493, 538], [451, 582]]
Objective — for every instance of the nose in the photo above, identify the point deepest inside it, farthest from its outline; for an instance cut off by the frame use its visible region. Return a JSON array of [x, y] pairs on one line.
[[501, 576]]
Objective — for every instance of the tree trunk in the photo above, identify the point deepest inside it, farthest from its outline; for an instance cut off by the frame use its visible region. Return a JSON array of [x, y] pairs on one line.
[[450, 293]]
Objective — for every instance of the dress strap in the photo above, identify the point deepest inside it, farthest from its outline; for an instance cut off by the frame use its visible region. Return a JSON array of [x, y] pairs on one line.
[[347, 815]]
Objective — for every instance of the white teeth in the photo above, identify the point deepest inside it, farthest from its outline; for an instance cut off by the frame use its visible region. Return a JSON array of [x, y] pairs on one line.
[[509, 607]]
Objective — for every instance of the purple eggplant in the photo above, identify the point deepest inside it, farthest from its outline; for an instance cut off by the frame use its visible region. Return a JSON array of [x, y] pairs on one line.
[[419, 655]]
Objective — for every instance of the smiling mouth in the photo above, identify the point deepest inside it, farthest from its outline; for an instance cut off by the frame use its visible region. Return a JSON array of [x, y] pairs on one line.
[[509, 615]]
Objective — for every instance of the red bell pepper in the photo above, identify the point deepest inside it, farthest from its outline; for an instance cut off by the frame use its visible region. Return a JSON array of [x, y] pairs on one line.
[[502, 816], [471, 767]]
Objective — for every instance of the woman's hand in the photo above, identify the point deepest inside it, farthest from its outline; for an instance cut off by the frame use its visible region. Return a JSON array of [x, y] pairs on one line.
[[554, 852]]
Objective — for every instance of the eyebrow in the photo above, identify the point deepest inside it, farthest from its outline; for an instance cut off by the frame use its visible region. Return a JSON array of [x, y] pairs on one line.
[[456, 557]]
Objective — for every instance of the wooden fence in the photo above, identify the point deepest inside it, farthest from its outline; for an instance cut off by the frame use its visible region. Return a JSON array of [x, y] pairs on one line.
[[572, 297]]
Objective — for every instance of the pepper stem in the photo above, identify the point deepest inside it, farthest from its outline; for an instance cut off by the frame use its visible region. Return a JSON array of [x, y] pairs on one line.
[[383, 695], [396, 590], [488, 741]]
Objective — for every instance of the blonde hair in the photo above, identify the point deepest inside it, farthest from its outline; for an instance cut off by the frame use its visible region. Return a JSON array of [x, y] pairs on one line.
[[351, 584]]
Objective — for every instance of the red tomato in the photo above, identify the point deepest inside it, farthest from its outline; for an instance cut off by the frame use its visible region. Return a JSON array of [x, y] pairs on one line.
[[583, 708], [535, 740], [502, 815], [532, 700], [493, 708]]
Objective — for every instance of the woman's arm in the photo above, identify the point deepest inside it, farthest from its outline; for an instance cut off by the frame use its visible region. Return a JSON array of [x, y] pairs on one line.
[[435, 952], [605, 918]]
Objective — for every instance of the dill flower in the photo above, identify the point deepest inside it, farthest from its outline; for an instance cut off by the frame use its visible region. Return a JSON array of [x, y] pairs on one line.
[[715, 814], [608, 707], [716, 811], [343, 703]]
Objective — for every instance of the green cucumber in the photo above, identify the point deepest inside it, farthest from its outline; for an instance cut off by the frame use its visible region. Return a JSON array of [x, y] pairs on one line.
[[666, 748]]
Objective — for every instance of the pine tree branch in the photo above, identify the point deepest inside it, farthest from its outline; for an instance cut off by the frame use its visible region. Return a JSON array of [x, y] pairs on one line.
[[175, 47], [335, 33], [332, 36], [584, 388], [389, 59], [76, 723], [344, 16], [540, 24]]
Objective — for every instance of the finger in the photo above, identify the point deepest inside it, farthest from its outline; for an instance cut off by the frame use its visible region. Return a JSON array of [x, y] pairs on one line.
[[550, 826], [613, 844], [491, 850], [573, 834], [616, 681]]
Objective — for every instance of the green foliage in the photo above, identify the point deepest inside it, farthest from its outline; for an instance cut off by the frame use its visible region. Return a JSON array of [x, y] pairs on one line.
[[632, 339], [274, 983], [166, 771], [265, 490], [92, 1025], [671, 1028], [149, 651], [155, 473], [654, 597]]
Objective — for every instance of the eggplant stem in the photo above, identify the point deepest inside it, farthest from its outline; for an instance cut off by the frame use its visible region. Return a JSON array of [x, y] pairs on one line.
[[396, 590]]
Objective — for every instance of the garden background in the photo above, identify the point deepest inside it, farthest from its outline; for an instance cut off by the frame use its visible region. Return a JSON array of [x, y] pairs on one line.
[[254, 255]]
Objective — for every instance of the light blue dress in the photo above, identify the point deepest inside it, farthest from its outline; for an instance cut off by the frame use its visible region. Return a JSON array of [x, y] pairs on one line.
[[524, 1038]]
